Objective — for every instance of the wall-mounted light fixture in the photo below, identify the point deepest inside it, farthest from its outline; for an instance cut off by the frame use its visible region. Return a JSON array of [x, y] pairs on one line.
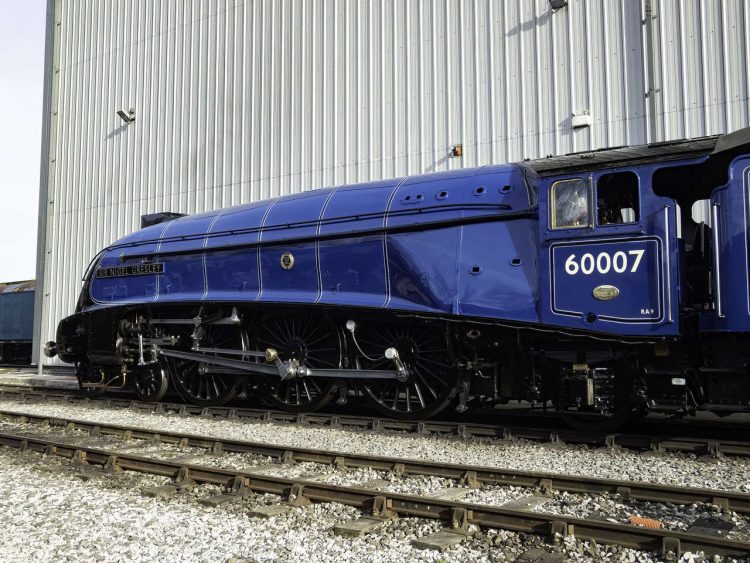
[[456, 151], [557, 4], [583, 119], [126, 116]]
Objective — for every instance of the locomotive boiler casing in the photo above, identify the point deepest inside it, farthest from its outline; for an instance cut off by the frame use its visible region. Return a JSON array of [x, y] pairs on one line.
[[455, 243]]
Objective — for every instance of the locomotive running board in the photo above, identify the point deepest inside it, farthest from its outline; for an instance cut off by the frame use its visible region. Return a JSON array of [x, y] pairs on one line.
[[252, 367]]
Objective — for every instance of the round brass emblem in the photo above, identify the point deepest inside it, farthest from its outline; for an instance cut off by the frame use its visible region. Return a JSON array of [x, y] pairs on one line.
[[287, 260]]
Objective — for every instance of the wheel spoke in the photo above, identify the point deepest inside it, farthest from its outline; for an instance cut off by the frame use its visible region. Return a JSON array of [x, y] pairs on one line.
[[307, 391], [421, 368], [215, 381], [429, 387], [315, 341], [278, 339], [441, 364], [419, 394]]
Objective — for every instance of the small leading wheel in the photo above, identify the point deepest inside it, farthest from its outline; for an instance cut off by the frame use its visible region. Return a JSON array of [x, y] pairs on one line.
[[314, 343], [432, 376], [201, 383], [88, 375], [150, 382]]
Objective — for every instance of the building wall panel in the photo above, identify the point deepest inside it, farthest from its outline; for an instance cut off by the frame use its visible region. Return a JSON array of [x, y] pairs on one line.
[[701, 72]]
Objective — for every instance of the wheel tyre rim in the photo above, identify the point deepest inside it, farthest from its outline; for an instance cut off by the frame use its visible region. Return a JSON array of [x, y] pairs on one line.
[[208, 389], [150, 383], [432, 380], [312, 341]]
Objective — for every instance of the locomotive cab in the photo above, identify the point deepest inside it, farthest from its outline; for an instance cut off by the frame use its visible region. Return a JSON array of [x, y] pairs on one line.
[[651, 252]]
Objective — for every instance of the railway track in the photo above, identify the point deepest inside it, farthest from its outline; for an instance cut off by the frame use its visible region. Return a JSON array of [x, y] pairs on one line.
[[380, 506], [706, 439]]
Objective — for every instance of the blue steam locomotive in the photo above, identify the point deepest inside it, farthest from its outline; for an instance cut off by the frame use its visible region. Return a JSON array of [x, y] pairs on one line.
[[604, 284]]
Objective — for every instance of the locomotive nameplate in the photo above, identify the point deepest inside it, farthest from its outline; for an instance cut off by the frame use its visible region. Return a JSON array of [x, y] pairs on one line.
[[605, 292], [138, 270]]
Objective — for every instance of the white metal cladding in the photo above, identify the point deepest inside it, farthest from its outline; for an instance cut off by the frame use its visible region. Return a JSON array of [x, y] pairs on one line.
[[701, 58], [241, 100]]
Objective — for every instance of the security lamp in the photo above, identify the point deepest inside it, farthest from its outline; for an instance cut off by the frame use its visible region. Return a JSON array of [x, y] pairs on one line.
[[127, 117], [557, 4]]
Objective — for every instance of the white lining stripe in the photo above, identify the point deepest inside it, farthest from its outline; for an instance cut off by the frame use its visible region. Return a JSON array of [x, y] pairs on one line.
[[317, 244], [205, 244], [158, 249], [385, 243], [257, 253]]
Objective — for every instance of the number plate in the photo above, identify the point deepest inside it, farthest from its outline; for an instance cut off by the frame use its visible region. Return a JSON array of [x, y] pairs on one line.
[[581, 269]]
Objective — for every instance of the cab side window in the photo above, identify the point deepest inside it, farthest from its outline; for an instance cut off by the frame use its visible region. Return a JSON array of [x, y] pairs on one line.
[[617, 199], [570, 204]]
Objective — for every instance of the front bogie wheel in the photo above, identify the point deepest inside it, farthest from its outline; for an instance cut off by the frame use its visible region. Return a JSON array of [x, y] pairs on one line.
[[150, 382]]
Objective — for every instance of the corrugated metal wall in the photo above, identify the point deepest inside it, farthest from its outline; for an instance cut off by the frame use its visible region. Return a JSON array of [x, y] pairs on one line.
[[240, 100], [701, 62]]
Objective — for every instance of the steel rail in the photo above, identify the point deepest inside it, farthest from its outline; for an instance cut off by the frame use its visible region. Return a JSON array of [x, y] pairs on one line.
[[403, 505], [473, 475], [699, 446]]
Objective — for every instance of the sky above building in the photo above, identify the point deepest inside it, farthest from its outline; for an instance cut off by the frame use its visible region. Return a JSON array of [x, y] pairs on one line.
[[21, 83]]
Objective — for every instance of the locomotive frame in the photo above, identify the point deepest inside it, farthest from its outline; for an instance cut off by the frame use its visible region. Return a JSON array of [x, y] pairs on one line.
[[581, 282]]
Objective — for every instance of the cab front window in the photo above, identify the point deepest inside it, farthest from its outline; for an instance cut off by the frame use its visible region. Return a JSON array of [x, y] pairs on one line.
[[570, 204]]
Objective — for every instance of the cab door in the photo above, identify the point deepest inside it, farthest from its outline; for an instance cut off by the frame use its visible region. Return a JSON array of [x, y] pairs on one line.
[[606, 250]]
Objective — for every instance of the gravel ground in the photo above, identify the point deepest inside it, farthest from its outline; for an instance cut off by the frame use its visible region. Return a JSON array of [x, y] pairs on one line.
[[668, 468], [50, 514], [192, 532], [672, 516], [611, 508], [615, 509]]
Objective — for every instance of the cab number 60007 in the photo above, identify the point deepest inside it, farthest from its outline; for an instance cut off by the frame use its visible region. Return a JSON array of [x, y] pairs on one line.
[[603, 262]]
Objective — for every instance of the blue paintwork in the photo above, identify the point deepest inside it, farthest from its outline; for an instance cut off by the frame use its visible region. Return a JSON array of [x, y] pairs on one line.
[[638, 276], [733, 215], [654, 286], [350, 248], [473, 242]]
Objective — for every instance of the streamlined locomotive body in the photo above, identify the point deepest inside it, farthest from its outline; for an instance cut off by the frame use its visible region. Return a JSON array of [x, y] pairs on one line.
[[587, 283]]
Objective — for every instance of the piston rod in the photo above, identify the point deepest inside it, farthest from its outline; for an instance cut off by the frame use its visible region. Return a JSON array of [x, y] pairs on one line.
[[276, 369]]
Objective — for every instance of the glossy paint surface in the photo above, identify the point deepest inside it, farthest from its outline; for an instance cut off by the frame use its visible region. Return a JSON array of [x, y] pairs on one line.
[[730, 213], [648, 299], [472, 242], [410, 244]]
